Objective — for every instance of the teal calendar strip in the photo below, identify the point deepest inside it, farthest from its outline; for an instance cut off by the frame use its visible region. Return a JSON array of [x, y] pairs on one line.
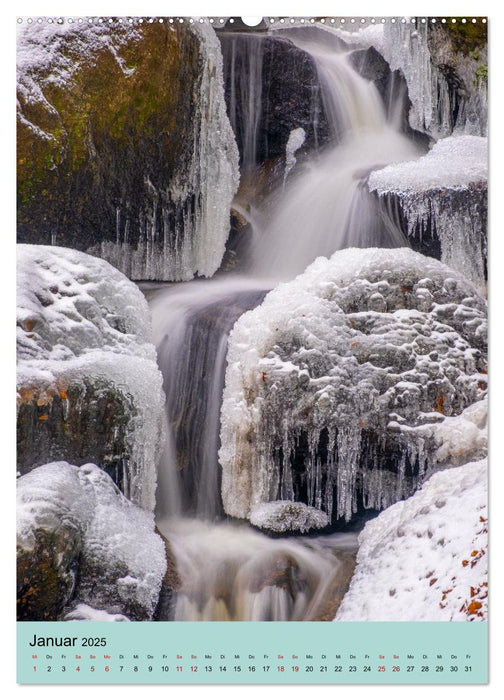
[[252, 652]]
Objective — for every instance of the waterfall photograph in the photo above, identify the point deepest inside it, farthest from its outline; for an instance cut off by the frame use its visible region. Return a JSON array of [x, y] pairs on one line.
[[252, 319]]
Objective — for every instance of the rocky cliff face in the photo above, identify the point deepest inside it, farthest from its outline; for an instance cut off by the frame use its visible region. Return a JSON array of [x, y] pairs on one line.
[[124, 147]]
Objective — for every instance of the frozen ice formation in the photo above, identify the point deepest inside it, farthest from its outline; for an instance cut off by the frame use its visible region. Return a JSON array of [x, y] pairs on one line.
[[331, 378], [286, 516], [201, 192], [436, 544], [442, 199], [88, 382], [103, 549], [439, 105], [295, 141]]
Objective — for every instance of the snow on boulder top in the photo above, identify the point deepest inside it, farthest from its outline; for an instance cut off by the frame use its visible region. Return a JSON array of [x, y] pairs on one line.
[[453, 162], [70, 303], [425, 559], [63, 46]]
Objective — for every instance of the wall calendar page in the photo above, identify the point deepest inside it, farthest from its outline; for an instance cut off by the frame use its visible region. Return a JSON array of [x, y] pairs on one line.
[[252, 350]]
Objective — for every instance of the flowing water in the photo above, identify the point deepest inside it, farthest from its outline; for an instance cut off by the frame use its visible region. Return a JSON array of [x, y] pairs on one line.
[[228, 570]]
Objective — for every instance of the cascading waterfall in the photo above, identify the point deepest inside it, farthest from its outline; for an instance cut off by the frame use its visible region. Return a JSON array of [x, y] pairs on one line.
[[229, 571], [340, 212], [243, 61]]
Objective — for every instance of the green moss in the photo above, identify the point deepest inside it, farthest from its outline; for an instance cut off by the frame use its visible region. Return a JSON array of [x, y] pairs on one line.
[[466, 37], [98, 118], [481, 75]]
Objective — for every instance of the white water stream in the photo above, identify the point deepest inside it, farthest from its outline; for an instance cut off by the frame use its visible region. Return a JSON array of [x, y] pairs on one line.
[[230, 571]]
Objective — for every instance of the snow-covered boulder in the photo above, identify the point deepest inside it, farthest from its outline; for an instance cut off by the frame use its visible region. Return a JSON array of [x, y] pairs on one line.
[[425, 559], [89, 388], [440, 203], [335, 381], [81, 542]]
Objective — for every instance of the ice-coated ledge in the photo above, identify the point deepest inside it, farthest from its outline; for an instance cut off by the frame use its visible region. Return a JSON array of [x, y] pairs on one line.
[[435, 543], [454, 162]]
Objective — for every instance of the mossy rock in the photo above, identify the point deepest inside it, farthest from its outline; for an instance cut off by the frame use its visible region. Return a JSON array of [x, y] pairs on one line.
[[102, 137], [467, 37], [46, 576]]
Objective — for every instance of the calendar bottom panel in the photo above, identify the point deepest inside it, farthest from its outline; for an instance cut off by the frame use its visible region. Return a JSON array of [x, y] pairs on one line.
[[252, 652]]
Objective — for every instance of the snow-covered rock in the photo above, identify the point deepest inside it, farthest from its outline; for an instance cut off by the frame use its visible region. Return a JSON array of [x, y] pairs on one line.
[[125, 149], [80, 541], [440, 202], [286, 516], [453, 163], [425, 559], [331, 378], [89, 388]]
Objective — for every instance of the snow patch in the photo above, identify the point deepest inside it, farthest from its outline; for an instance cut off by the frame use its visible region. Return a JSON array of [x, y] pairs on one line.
[[453, 162], [443, 195], [435, 543]]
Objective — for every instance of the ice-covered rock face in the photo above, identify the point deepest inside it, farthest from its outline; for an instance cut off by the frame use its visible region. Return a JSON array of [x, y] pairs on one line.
[[82, 543], [440, 203], [445, 72], [125, 126], [331, 377], [436, 544], [88, 383]]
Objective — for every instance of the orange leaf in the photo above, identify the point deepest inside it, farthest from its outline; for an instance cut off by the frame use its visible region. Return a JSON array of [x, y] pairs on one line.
[[475, 605], [432, 581], [44, 417], [465, 562]]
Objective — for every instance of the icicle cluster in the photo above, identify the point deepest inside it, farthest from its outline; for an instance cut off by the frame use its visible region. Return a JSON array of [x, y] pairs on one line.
[[433, 107], [328, 375], [191, 236]]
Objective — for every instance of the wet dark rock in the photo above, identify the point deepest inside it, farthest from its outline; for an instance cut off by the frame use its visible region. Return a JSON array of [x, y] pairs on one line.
[[283, 80]]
